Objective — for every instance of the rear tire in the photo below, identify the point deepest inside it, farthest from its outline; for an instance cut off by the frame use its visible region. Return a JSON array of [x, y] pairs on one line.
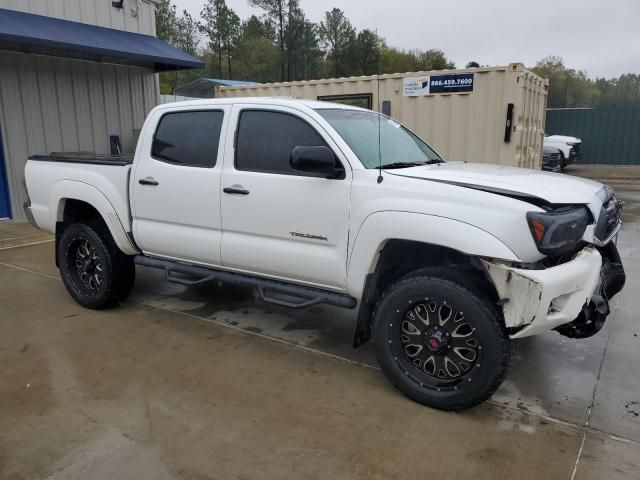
[[94, 270], [440, 341]]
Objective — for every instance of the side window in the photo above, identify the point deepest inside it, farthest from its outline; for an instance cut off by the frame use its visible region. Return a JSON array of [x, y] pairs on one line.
[[266, 139], [188, 138]]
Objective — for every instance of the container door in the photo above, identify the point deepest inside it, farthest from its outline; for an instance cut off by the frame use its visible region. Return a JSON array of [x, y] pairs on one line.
[[5, 208]]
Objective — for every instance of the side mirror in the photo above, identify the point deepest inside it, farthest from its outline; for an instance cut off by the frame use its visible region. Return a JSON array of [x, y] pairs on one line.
[[319, 161]]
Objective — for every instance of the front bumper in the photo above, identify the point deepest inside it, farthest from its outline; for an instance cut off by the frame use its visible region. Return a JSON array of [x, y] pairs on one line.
[[574, 156], [535, 301], [551, 166], [594, 313]]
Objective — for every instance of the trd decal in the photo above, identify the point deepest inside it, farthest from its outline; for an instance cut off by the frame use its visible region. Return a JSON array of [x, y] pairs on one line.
[[309, 235]]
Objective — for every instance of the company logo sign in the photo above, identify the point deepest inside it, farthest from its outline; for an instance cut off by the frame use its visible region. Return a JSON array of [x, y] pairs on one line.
[[435, 84]]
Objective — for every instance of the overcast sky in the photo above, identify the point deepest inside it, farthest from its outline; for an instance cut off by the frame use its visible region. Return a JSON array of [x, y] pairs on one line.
[[601, 37]]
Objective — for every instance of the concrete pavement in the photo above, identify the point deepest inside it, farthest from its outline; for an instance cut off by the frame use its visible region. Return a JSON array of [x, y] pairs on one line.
[[208, 382]]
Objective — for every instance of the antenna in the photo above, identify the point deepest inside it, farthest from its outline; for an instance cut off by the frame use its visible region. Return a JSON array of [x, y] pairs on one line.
[[379, 113]]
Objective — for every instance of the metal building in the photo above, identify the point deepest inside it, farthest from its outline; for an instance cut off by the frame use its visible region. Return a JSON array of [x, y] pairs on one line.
[[75, 76], [488, 115]]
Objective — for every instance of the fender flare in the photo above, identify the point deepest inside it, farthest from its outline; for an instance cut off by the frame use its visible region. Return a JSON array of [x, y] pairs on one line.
[[379, 227], [74, 190]]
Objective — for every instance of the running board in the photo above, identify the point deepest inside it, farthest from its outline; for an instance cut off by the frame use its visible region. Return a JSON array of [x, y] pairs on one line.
[[303, 297]]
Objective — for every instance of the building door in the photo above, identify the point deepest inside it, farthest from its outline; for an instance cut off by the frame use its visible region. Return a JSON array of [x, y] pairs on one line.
[[5, 208]]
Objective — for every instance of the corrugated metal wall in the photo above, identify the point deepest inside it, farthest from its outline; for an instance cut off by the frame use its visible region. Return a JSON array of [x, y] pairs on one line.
[[609, 136], [52, 104], [468, 127], [135, 17]]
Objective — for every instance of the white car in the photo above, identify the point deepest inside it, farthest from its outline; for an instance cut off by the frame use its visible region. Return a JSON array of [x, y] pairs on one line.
[[313, 202], [569, 147]]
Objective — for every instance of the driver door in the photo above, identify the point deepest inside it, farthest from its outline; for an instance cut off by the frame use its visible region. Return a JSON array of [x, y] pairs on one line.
[[277, 221]]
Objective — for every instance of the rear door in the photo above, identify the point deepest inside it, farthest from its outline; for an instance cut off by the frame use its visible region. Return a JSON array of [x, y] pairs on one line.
[[175, 185], [276, 221]]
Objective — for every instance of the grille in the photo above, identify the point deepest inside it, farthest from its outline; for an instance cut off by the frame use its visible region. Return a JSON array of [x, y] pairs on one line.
[[608, 219], [575, 150]]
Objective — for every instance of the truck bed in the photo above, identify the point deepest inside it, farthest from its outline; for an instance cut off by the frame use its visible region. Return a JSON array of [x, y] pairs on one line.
[[50, 179], [88, 158]]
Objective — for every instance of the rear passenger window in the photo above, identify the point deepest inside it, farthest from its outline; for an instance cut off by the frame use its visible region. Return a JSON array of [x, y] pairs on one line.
[[188, 138], [266, 139]]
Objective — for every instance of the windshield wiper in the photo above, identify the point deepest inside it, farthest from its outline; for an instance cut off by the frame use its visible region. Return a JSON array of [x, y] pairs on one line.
[[400, 165], [411, 164]]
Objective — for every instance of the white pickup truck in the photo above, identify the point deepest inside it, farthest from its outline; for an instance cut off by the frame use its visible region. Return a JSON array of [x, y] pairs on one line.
[[313, 202], [568, 147]]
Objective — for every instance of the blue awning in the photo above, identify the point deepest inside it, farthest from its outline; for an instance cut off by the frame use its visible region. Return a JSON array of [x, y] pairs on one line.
[[29, 33]]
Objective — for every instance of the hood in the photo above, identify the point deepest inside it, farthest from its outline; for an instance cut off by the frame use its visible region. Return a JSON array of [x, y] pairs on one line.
[[562, 138], [554, 188]]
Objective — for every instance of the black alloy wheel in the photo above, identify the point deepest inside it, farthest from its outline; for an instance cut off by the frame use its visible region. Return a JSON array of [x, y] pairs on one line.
[[95, 272], [437, 339], [440, 340], [85, 266]]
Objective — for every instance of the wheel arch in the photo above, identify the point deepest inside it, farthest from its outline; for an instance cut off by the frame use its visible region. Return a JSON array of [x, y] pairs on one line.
[[78, 201], [382, 228], [400, 258], [378, 262]]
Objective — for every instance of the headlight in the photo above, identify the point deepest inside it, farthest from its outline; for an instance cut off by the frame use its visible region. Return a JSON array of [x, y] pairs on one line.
[[558, 231]]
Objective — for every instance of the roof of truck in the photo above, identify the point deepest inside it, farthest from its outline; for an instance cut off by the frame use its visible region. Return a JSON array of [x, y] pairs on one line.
[[281, 101]]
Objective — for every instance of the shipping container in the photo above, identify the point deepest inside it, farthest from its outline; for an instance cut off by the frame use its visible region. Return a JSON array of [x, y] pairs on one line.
[[487, 115]]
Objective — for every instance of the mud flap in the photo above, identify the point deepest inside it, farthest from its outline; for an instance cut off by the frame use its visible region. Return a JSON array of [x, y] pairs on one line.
[[362, 332]]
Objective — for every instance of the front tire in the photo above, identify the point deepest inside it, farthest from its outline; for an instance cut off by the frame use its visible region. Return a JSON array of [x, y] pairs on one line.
[[94, 270], [440, 341]]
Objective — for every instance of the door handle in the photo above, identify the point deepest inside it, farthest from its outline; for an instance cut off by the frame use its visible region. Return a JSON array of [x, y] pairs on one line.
[[148, 181], [236, 189]]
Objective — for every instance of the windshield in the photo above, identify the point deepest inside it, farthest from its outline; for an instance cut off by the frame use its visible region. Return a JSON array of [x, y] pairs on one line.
[[398, 146]]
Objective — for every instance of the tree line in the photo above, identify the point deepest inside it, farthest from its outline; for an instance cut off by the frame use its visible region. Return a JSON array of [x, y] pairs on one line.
[[569, 88], [281, 43]]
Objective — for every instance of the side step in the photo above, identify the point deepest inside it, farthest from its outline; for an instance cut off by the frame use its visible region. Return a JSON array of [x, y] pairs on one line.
[[303, 297]]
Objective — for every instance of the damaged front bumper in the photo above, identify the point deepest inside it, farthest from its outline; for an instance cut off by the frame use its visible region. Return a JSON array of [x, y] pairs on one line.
[[571, 297]]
